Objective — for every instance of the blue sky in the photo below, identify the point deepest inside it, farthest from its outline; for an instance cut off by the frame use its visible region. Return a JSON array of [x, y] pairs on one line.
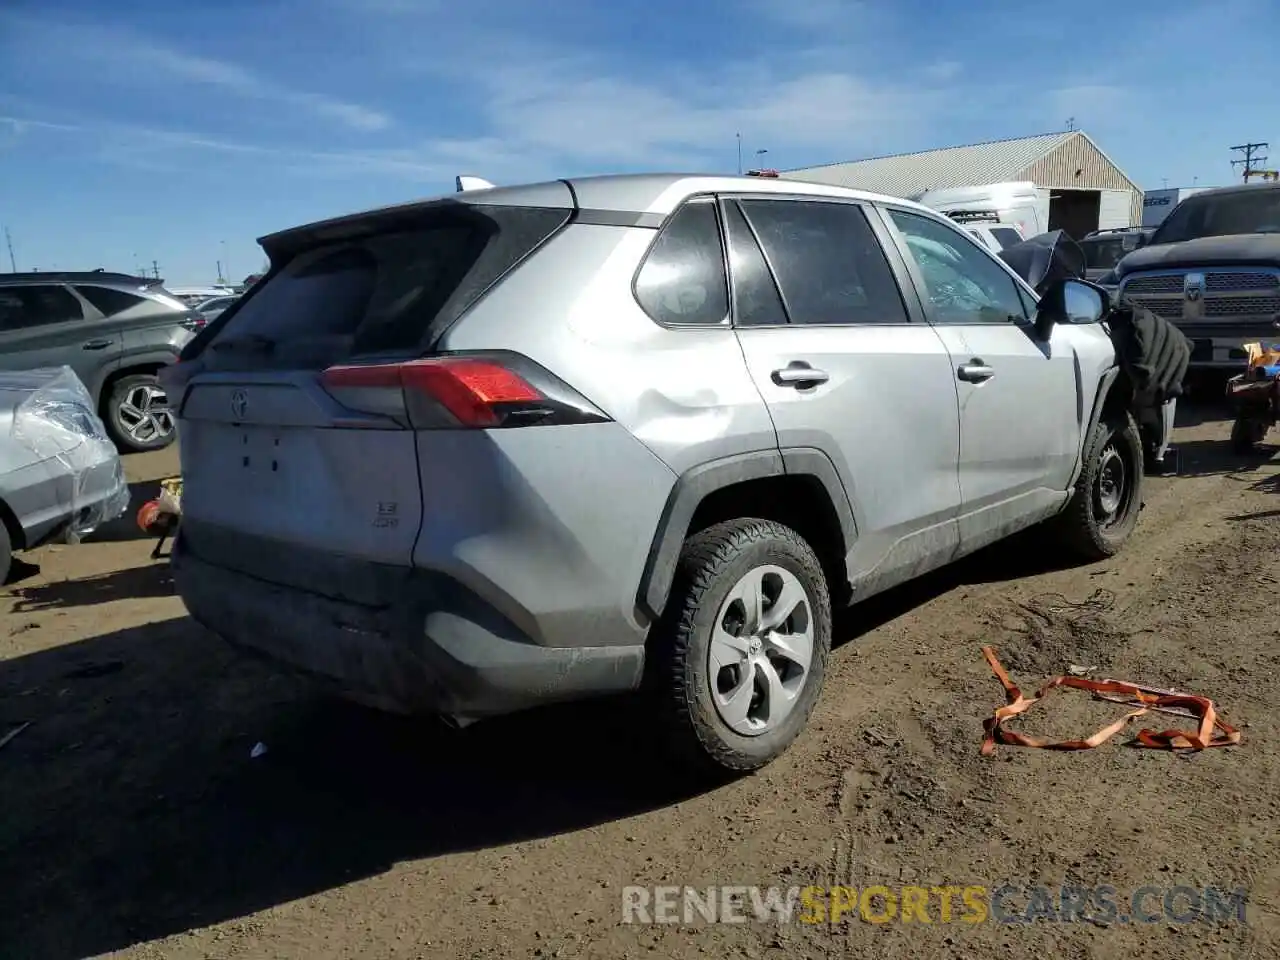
[[139, 130]]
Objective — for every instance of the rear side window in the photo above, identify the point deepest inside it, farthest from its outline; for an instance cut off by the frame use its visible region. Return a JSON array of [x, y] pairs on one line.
[[108, 301], [828, 262], [682, 280], [389, 292], [1007, 236], [37, 306]]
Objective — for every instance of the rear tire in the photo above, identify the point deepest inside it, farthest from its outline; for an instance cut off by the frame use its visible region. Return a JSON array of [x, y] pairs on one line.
[[6, 555], [137, 414], [735, 685], [1103, 509]]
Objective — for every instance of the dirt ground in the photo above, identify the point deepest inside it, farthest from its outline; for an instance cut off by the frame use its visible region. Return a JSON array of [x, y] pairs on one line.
[[135, 820]]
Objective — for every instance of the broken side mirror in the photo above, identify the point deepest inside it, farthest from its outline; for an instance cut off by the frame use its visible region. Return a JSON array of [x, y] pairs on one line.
[[1070, 301]]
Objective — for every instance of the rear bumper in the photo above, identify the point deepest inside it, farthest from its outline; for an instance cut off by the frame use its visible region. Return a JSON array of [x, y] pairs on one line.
[[433, 648]]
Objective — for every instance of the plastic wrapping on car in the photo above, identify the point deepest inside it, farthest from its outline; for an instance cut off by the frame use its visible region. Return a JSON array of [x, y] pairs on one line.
[[57, 421]]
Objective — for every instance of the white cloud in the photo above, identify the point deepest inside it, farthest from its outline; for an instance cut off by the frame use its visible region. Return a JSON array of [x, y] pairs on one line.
[[944, 70], [582, 109], [120, 49]]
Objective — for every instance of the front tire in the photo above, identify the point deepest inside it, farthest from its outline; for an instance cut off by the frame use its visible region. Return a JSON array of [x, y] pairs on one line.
[[1104, 506], [137, 414], [741, 653]]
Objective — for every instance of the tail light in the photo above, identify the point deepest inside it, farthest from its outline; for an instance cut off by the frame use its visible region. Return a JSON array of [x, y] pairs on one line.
[[477, 391], [194, 322]]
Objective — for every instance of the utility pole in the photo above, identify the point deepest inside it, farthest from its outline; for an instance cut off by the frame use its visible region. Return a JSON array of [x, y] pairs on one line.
[[739, 154], [1250, 151], [1071, 123], [221, 279], [8, 239], [155, 269]]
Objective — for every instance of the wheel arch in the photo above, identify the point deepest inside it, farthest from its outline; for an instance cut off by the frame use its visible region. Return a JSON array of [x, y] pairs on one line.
[[797, 487], [129, 368], [1114, 393]]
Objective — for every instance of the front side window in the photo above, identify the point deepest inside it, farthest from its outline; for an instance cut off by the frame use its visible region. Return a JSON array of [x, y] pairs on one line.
[[38, 306], [962, 282], [682, 280]]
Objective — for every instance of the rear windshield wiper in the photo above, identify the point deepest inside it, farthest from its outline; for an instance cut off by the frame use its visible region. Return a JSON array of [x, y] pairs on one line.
[[250, 343]]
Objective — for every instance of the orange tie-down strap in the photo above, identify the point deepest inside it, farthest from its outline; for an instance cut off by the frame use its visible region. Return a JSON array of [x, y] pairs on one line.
[[1213, 732]]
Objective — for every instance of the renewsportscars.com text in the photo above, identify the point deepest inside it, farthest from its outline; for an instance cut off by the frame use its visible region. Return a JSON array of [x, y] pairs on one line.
[[971, 904]]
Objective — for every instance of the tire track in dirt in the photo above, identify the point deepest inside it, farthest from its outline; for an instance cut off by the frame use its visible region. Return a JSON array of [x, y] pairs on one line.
[[886, 786]]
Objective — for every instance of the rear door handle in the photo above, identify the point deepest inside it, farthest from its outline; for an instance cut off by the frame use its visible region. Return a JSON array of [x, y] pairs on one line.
[[799, 375], [975, 371], [97, 344]]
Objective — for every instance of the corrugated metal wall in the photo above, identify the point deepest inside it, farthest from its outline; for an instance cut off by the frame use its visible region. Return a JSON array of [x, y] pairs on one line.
[[1058, 169]]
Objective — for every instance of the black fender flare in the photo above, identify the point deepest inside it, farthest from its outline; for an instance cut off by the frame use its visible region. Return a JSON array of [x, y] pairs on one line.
[[1105, 385], [695, 484]]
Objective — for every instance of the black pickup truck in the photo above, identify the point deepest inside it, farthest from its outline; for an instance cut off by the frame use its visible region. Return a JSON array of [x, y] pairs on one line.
[[1213, 269]]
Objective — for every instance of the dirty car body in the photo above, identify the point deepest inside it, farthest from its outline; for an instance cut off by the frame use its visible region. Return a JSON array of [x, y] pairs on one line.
[[60, 474], [451, 455]]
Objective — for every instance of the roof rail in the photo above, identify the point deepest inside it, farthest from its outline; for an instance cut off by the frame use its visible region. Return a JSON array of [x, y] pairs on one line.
[[80, 276]]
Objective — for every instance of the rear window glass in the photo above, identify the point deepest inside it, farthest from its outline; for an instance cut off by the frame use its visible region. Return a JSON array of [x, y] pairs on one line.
[[108, 301], [382, 293], [1103, 254], [1007, 236]]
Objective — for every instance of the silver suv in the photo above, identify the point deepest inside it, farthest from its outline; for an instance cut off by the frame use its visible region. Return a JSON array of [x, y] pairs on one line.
[[555, 441]]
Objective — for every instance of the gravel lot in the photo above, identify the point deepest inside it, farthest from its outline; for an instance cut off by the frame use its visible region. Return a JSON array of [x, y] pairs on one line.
[[135, 820]]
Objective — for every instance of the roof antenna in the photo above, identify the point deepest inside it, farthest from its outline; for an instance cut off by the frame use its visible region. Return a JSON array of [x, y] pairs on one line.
[[472, 183]]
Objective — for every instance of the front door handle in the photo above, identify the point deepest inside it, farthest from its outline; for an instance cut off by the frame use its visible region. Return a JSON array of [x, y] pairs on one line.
[[799, 374], [97, 344], [975, 371]]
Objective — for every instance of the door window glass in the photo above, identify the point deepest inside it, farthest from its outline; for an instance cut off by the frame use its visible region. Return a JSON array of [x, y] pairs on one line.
[[827, 261], [963, 282], [37, 306]]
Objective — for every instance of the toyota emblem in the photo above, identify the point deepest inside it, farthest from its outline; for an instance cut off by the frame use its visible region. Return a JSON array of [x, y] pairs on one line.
[[239, 404]]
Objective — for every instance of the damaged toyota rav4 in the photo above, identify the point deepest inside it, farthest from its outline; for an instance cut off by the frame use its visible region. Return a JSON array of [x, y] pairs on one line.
[[539, 443]]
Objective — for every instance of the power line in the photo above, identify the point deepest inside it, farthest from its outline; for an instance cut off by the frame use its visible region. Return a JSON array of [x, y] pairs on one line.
[[1251, 157]]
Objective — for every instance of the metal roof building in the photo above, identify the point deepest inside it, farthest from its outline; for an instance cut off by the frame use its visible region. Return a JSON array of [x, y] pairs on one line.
[[1057, 163]]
